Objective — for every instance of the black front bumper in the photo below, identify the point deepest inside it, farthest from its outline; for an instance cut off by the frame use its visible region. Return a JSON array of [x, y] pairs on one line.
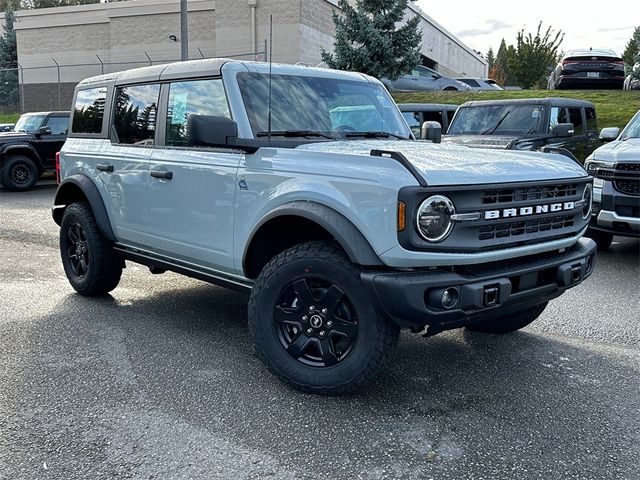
[[414, 299], [616, 212]]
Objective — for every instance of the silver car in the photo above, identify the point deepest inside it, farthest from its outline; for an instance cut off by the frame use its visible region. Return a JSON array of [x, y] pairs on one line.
[[479, 84], [423, 78]]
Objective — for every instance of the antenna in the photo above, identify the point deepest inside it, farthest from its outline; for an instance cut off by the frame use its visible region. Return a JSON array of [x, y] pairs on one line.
[[270, 62]]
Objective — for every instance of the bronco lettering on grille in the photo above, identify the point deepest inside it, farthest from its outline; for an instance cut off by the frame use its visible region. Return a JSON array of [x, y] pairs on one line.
[[525, 211]]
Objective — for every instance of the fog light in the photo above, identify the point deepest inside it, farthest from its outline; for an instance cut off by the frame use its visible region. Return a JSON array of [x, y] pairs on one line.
[[450, 298]]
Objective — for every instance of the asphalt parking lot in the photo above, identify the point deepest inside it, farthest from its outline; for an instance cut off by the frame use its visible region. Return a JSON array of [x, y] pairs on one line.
[[159, 381]]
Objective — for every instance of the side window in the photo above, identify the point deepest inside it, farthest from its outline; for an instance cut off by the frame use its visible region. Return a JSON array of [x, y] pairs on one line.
[[592, 122], [575, 117], [135, 114], [413, 120], [558, 115], [198, 97], [88, 110], [58, 125]]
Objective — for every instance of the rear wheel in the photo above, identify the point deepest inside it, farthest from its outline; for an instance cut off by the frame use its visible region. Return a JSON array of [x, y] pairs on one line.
[[87, 256], [602, 239], [18, 173], [312, 325], [508, 323]]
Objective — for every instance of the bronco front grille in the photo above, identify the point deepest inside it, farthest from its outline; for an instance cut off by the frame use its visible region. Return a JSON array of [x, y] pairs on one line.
[[524, 194], [513, 229]]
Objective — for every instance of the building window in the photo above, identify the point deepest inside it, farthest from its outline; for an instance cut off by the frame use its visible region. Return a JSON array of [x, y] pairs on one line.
[[135, 114], [198, 97], [88, 110]]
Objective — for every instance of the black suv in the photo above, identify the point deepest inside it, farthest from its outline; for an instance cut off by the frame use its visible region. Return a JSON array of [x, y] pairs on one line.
[[417, 113], [530, 124], [30, 149]]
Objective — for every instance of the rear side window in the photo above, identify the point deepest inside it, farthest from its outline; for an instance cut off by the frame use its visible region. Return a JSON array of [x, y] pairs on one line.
[[592, 122], [198, 97], [58, 125], [88, 110], [575, 117], [134, 119]]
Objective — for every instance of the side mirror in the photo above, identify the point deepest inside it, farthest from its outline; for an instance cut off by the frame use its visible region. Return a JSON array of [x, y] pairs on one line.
[[431, 131], [609, 134], [563, 130], [44, 131], [211, 131]]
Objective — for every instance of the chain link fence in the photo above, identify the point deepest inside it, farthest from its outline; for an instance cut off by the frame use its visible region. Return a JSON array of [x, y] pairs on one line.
[[50, 87]]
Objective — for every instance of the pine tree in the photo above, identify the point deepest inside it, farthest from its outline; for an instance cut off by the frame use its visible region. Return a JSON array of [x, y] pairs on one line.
[[9, 62], [631, 50], [368, 39], [491, 59]]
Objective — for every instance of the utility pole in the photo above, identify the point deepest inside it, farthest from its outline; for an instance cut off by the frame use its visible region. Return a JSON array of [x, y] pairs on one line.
[[184, 34]]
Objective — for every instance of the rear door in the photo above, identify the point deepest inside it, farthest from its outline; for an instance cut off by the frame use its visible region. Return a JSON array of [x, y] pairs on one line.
[[192, 189], [124, 163]]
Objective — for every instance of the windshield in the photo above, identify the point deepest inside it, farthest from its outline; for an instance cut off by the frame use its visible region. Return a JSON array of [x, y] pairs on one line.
[[29, 123], [632, 130], [327, 107], [498, 120]]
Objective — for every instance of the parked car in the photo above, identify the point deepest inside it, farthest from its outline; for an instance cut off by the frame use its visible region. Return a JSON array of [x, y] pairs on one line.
[[480, 84], [615, 167], [588, 69], [527, 124], [30, 149], [423, 79], [415, 114], [632, 81], [341, 235], [6, 127]]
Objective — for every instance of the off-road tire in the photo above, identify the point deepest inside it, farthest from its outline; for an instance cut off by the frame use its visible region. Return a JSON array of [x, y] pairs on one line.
[[603, 239], [508, 323], [103, 267], [18, 173], [311, 263]]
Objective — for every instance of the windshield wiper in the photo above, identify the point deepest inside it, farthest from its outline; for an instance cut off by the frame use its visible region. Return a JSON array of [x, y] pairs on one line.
[[490, 130], [374, 134], [294, 133]]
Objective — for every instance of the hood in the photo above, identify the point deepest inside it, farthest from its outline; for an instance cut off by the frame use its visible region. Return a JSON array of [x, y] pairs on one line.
[[456, 165], [619, 151], [12, 136], [485, 141]]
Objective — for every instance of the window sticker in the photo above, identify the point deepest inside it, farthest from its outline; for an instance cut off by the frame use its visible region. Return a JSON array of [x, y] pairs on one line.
[[535, 113], [179, 110]]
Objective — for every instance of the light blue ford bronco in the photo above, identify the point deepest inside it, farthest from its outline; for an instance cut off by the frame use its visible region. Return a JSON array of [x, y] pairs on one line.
[[306, 188]]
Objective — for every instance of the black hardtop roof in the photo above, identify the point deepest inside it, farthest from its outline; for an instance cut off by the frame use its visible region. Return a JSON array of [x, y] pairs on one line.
[[427, 107], [549, 102]]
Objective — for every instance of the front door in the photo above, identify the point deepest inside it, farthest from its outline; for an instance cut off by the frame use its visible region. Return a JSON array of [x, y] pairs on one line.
[[49, 145], [192, 190]]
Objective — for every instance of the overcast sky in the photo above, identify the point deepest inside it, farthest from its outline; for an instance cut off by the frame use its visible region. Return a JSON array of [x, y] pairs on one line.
[[586, 23]]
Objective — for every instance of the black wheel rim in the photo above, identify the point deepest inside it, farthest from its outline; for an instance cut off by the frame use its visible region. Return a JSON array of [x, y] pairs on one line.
[[20, 174], [316, 322], [77, 250]]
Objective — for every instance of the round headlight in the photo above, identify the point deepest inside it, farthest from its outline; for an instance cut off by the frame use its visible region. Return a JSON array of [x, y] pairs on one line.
[[587, 198], [591, 167], [434, 218]]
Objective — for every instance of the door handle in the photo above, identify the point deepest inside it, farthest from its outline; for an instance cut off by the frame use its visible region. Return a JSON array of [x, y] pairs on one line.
[[161, 174], [104, 167]]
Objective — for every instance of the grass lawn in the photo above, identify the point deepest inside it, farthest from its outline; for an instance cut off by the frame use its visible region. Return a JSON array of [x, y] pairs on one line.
[[9, 117], [614, 108]]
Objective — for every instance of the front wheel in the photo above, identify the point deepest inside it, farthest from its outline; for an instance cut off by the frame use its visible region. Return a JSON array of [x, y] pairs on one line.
[[508, 323], [87, 256], [313, 326], [18, 173]]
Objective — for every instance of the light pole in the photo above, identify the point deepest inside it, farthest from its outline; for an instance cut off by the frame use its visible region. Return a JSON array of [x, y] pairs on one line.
[[184, 34]]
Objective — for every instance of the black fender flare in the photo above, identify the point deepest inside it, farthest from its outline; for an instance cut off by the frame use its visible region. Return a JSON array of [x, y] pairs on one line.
[[22, 146], [354, 243], [67, 194]]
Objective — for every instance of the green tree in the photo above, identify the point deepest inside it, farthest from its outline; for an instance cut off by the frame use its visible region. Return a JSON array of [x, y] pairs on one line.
[[369, 40], [491, 59], [631, 50], [9, 96], [533, 55]]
